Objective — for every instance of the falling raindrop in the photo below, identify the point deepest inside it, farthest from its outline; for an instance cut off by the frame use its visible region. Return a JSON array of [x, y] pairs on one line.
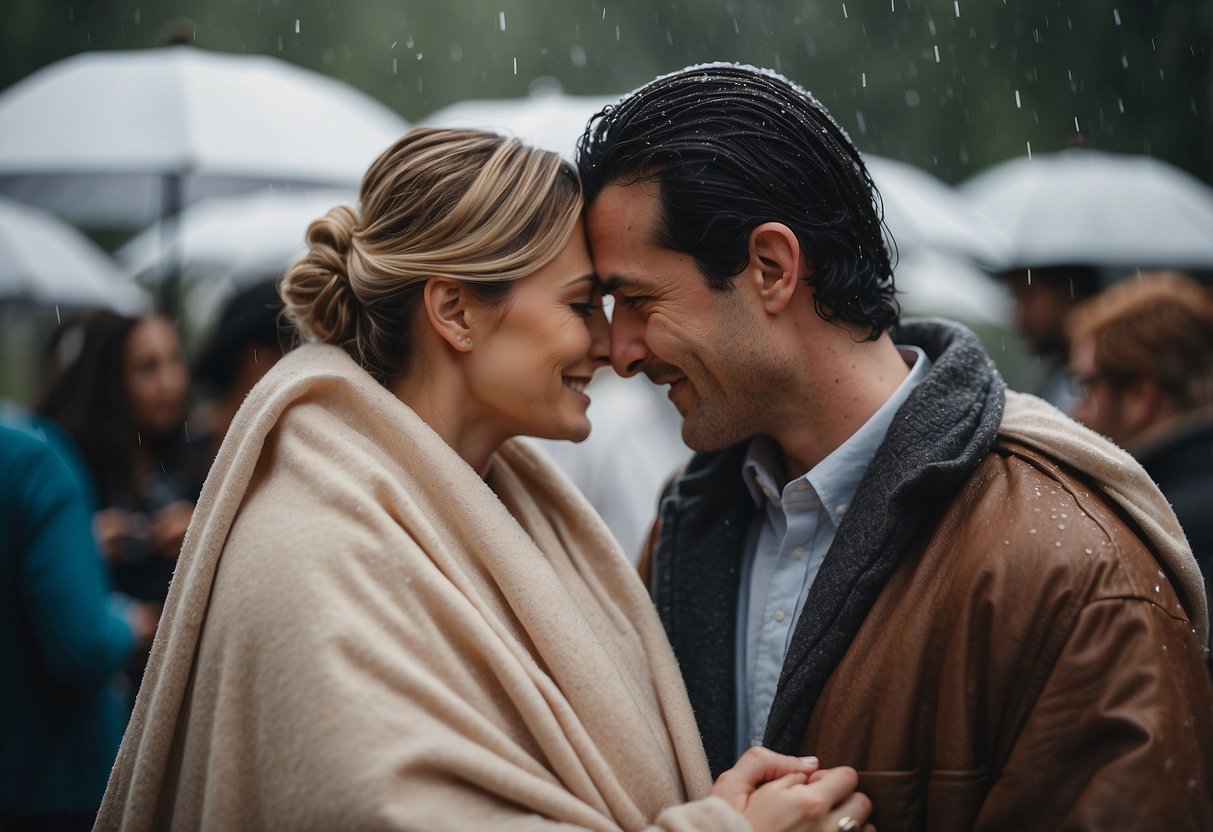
[[1018, 105], [863, 79], [956, 7], [844, 11], [937, 53], [515, 66], [1029, 157], [57, 318], [296, 25], [501, 19], [1116, 15], [1076, 130]]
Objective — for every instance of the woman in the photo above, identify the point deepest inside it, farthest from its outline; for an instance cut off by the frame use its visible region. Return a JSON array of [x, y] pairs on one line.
[[390, 615], [122, 400]]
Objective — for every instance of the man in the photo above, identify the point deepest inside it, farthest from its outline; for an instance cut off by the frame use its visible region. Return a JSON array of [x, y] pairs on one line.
[[1043, 298], [867, 560], [1141, 355]]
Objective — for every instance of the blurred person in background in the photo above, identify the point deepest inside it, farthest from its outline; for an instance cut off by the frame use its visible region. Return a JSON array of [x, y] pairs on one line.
[[62, 637], [1141, 356], [121, 397], [247, 340], [1043, 298]]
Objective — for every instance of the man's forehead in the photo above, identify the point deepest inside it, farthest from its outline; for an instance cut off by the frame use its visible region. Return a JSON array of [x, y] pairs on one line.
[[628, 209]]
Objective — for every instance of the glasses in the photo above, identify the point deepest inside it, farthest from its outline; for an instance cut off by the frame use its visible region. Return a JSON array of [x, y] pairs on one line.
[[1081, 385]]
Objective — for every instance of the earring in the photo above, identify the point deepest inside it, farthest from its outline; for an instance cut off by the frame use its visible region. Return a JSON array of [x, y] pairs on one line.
[[466, 341]]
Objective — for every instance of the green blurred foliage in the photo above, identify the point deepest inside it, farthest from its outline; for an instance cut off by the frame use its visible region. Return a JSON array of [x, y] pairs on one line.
[[950, 85]]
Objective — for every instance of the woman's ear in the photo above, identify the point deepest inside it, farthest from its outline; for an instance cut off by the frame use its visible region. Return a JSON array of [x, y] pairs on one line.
[[446, 306], [776, 266]]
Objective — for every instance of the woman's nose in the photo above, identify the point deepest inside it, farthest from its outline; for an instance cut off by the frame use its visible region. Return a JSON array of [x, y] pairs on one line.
[[628, 349], [600, 338]]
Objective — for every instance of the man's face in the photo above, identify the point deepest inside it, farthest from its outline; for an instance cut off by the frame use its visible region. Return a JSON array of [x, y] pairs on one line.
[[708, 345], [1040, 313]]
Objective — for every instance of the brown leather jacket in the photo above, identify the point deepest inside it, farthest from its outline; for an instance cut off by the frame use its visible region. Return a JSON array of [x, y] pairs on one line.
[[1001, 651], [1062, 693]]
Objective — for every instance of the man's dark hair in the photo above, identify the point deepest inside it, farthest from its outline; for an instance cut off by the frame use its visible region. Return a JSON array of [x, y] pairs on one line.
[[733, 147]]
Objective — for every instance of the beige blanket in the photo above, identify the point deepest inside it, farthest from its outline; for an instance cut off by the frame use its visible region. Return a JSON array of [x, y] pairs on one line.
[[1038, 424], [364, 634]]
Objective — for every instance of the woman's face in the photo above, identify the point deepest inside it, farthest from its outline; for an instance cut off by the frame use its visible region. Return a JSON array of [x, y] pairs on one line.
[[528, 372], [156, 379]]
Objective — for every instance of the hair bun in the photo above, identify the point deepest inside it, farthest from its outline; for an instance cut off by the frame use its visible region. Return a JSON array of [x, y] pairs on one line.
[[316, 290]]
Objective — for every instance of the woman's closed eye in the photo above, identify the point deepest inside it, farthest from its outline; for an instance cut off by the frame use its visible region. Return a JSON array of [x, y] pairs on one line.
[[586, 308]]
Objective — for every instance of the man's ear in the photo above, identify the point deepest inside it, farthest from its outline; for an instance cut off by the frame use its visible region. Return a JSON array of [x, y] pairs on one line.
[[775, 264], [446, 307]]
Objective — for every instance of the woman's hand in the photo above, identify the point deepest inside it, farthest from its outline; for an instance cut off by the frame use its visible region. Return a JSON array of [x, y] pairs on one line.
[[111, 526], [167, 528], [778, 793]]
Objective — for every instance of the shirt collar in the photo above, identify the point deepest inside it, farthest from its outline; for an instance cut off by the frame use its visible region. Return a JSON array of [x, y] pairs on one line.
[[836, 478]]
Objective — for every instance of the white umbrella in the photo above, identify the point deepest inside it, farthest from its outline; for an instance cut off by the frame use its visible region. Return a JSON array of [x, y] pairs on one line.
[[48, 263], [923, 212], [934, 284], [242, 238], [118, 139], [546, 118], [1091, 208]]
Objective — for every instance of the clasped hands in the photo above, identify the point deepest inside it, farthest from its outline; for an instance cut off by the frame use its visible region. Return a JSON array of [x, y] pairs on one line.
[[779, 793]]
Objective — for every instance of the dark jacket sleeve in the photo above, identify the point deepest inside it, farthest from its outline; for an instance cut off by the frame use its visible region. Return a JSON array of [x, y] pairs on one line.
[[63, 590]]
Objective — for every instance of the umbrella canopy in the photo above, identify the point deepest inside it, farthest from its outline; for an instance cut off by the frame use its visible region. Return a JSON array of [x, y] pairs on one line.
[[923, 212], [47, 263], [117, 139], [243, 238], [546, 118], [934, 284], [1098, 209]]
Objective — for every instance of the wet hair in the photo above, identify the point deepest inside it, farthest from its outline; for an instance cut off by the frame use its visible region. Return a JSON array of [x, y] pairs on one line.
[[461, 204], [733, 147], [1158, 325]]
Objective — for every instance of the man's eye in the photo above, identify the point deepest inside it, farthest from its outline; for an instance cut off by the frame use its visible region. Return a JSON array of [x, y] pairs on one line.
[[633, 301]]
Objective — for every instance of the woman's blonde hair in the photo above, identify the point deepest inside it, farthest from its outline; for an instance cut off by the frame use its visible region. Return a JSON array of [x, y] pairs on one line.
[[461, 204]]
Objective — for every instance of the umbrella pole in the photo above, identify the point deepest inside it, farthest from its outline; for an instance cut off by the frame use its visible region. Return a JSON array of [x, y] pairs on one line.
[[170, 245]]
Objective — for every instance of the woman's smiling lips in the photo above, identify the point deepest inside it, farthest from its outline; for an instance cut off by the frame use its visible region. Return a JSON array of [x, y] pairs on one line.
[[577, 384]]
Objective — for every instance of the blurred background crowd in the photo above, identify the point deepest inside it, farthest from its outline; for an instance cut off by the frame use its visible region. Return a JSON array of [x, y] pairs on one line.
[[1044, 170]]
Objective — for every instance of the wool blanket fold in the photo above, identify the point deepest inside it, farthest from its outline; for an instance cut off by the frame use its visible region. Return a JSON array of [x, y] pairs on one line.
[[364, 633]]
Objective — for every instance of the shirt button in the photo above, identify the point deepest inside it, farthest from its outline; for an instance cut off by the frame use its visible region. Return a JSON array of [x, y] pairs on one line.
[[799, 552], [841, 510], [779, 615], [802, 486]]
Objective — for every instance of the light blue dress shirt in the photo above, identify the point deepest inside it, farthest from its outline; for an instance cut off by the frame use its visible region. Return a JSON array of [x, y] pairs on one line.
[[792, 532]]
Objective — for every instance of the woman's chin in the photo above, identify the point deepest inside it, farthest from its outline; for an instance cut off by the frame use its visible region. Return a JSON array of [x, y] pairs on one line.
[[572, 432]]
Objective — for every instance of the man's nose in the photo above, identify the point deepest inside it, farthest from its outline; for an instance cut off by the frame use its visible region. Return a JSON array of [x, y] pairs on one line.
[[628, 348]]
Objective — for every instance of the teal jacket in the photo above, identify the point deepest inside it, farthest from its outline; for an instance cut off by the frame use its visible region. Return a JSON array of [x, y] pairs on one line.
[[60, 638]]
